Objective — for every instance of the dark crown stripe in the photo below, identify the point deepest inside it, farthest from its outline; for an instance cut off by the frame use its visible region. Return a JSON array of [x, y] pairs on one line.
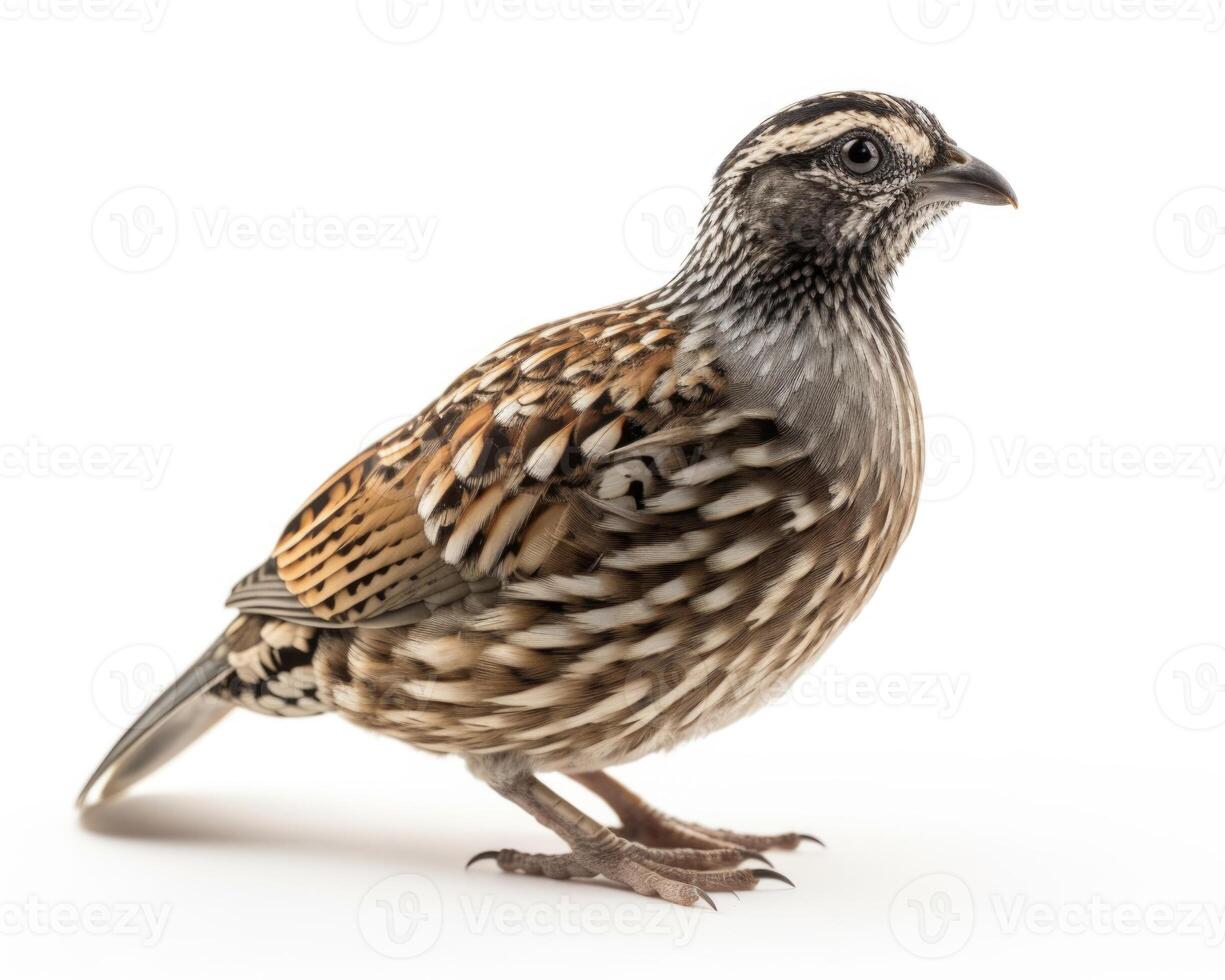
[[809, 111]]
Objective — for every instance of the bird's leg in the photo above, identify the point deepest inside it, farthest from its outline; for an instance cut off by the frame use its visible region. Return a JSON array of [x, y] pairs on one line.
[[643, 823], [681, 875]]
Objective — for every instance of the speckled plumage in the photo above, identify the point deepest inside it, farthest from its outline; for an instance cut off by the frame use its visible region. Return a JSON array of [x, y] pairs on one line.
[[627, 555], [628, 528]]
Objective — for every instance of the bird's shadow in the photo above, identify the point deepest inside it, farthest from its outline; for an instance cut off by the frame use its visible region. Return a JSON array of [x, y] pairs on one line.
[[197, 820], [244, 821], [262, 824]]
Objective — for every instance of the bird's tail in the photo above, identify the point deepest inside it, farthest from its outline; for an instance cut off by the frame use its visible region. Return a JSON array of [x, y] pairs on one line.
[[259, 663]]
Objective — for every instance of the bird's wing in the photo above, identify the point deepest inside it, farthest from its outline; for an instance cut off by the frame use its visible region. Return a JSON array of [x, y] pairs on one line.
[[489, 484]]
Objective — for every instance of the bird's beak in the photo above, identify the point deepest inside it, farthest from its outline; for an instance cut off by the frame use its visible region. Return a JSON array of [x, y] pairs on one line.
[[963, 178]]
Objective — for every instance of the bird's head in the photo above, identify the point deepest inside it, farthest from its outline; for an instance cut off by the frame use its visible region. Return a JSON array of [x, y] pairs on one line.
[[845, 179]]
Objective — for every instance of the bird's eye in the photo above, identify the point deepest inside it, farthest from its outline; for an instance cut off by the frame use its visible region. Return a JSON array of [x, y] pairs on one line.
[[861, 156]]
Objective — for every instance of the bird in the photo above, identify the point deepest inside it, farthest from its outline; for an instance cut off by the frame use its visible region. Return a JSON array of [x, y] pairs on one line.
[[626, 529]]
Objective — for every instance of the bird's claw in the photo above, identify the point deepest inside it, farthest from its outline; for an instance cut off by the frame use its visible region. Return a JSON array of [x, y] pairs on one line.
[[760, 873], [483, 856]]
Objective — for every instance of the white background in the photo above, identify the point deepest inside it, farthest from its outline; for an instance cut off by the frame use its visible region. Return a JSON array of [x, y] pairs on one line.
[[491, 166]]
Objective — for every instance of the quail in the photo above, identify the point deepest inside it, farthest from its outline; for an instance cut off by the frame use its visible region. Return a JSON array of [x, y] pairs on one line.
[[625, 529]]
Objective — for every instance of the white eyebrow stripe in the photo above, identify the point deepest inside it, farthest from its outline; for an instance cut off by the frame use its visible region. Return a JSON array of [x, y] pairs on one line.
[[810, 135]]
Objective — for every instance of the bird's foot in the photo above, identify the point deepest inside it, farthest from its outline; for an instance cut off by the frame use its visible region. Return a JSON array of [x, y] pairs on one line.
[[643, 823], [682, 875], [679, 875], [660, 830]]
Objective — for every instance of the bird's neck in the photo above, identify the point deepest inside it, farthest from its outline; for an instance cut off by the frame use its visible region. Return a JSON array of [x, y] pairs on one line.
[[810, 335]]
